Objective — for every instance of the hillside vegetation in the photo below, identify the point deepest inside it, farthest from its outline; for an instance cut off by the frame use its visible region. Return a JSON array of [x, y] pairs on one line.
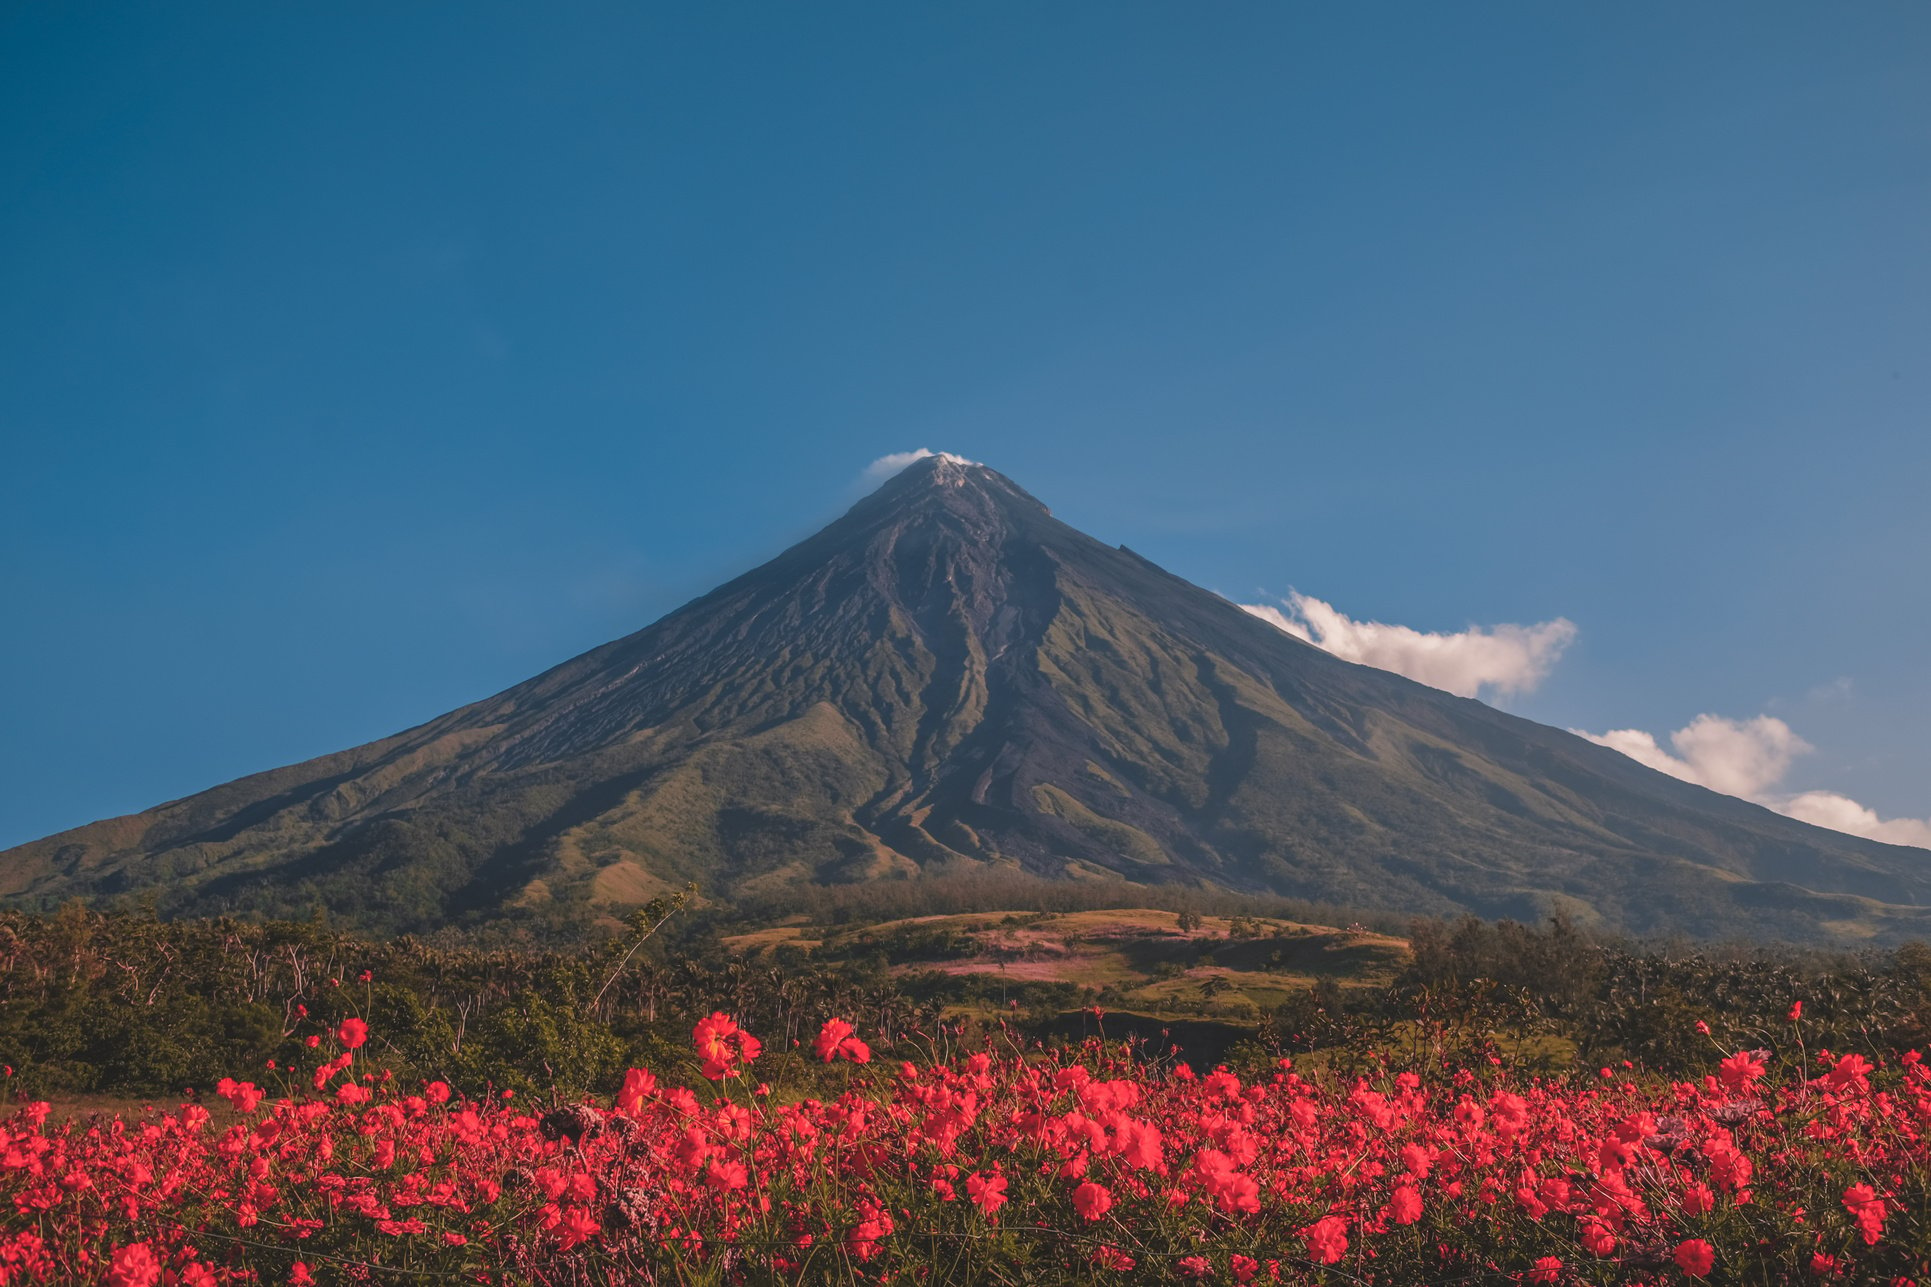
[[1150, 961], [94, 1004]]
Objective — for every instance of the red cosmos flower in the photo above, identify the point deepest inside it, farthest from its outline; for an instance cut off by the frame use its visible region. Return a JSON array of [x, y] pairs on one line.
[[1597, 1239], [874, 1224], [1547, 1269], [332, 1067], [133, 1266], [638, 1087], [721, 1044], [1222, 1083], [1245, 1267], [401, 1228], [1092, 1200], [835, 1041], [1742, 1069], [1404, 1204], [577, 1226], [1848, 1071], [728, 1176], [1196, 1267], [244, 1095], [1327, 1239], [1695, 1257], [1867, 1209], [1796, 1011], [1140, 1145], [352, 1033], [300, 1276], [1223, 1180], [987, 1190]]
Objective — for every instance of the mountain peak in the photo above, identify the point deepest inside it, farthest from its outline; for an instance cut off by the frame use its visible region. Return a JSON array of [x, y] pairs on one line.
[[952, 483], [936, 468]]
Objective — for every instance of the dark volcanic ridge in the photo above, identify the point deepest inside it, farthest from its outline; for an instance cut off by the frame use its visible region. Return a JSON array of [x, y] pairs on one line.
[[948, 680]]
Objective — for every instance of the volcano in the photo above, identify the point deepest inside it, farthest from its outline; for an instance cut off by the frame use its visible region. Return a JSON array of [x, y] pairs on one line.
[[948, 680]]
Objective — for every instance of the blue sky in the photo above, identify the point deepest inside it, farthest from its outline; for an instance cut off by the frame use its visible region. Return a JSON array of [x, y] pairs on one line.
[[357, 361]]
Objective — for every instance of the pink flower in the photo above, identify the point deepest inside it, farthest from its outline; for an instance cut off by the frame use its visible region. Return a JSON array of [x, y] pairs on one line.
[[639, 1085], [1092, 1200], [721, 1044], [576, 1227], [835, 1041], [1404, 1205], [1742, 1069], [133, 1266], [1327, 1239], [1867, 1209], [1848, 1071], [1695, 1257], [987, 1191]]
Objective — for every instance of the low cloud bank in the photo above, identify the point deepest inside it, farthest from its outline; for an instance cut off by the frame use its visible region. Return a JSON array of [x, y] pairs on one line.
[[1499, 660], [1747, 758], [1750, 759], [1737, 757], [1841, 813]]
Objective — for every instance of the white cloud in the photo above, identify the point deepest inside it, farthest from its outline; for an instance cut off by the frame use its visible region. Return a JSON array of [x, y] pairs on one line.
[[1737, 757], [1749, 759], [1841, 813], [1503, 659], [889, 465]]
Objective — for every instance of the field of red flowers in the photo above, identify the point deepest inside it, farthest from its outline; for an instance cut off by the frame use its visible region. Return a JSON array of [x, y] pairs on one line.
[[1019, 1166]]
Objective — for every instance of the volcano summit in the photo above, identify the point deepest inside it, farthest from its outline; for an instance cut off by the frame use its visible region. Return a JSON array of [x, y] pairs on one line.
[[949, 680]]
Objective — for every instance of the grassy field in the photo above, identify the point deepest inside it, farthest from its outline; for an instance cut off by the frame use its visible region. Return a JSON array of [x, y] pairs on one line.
[[1233, 968]]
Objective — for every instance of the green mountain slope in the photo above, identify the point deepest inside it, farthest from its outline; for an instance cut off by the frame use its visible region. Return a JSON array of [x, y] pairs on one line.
[[947, 680]]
